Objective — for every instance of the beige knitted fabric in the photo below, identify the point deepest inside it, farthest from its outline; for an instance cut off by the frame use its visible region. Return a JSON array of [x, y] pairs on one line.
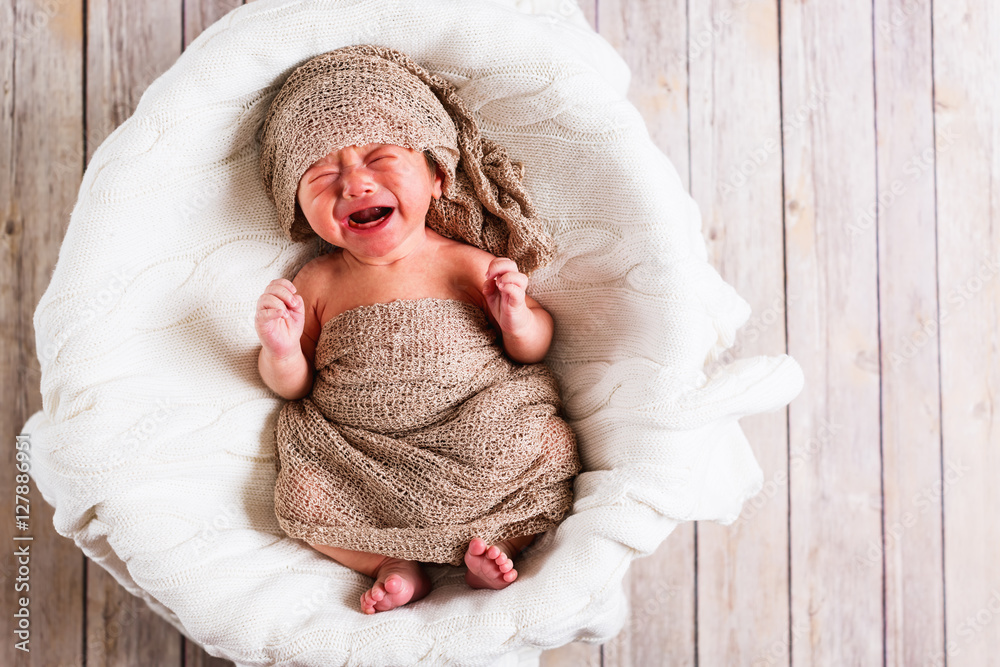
[[419, 435], [365, 94]]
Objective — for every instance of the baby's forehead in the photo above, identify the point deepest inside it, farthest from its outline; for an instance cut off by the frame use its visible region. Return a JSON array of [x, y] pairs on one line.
[[337, 153]]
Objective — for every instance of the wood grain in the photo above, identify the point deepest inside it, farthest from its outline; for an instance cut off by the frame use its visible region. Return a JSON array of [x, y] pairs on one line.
[[41, 43], [199, 14], [966, 67], [736, 176], [834, 459], [195, 656], [911, 549]]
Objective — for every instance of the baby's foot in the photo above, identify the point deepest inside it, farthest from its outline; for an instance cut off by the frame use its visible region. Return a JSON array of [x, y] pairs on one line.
[[397, 582], [489, 565]]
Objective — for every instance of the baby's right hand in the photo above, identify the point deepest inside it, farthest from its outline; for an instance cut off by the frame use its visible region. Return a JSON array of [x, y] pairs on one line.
[[281, 315]]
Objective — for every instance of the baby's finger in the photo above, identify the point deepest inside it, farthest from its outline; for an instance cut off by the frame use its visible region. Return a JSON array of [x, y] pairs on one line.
[[491, 286], [271, 302], [513, 278], [287, 293], [499, 266], [284, 282], [267, 317], [513, 295]]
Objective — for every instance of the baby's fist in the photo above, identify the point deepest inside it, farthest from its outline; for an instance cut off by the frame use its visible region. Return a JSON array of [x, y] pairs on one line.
[[281, 315], [504, 291]]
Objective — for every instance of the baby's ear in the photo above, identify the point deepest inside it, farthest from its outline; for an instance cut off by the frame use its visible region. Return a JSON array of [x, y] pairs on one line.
[[438, 182], [435, 169]]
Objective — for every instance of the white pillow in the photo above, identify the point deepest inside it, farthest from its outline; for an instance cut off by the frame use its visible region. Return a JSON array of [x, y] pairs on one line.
[[155, 444]]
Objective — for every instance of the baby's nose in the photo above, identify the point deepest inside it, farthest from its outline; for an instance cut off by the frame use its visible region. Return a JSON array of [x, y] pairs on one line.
[[357, 182]]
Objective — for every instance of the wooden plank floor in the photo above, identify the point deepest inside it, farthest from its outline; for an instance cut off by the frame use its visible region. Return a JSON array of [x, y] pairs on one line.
[[846, 158]]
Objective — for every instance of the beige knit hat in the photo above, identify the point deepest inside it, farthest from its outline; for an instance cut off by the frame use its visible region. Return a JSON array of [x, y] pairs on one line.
[[367, 94]]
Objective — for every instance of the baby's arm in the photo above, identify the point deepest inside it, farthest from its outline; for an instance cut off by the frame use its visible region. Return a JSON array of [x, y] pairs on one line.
[[284, 361], [526, 326]]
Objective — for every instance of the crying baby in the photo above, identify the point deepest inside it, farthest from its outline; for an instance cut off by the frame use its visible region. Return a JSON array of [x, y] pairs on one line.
[[422, 424]]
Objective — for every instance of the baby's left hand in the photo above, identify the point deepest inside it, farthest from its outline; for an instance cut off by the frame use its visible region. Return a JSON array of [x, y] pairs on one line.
[[504, 292]]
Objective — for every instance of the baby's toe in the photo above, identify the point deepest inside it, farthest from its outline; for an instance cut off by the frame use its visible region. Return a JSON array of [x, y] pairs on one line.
[[371, 597], [393, 583], [493, 552], [506, 566], [477, 546]]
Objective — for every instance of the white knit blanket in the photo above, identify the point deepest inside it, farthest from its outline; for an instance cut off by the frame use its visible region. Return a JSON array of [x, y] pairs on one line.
[[155, 444]]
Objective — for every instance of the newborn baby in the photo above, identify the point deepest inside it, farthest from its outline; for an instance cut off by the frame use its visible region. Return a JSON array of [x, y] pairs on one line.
[[409, 432]]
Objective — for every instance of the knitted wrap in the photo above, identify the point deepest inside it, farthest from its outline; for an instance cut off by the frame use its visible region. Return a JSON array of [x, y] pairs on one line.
[[419, 434], [365, 94]]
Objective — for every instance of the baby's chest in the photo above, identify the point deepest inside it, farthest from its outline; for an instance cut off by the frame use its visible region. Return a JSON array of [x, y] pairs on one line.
[[343, 293]]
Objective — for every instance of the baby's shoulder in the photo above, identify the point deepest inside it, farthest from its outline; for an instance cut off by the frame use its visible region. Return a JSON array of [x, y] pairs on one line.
[[317, 271], [313, 283], [470, 259]]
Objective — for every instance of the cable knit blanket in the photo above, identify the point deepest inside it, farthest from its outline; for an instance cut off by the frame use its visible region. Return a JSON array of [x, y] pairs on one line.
[[419, 434], [155, 443]]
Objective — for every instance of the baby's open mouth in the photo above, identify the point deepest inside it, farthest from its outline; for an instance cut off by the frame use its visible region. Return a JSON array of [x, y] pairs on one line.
[[369, 217]]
